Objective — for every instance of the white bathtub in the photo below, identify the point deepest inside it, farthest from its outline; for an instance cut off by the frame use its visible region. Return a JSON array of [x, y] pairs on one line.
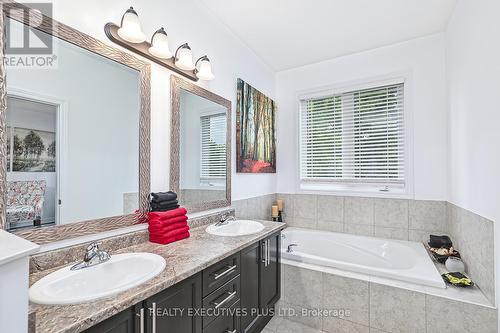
[[400, 260]]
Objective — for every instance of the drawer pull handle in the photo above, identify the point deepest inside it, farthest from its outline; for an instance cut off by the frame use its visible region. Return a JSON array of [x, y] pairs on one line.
[[224, 273], [228, 331], [225, 300]]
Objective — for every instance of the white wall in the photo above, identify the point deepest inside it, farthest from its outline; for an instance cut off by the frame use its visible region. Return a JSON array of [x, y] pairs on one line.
[[423, 59], [185, 21], [473, 71]]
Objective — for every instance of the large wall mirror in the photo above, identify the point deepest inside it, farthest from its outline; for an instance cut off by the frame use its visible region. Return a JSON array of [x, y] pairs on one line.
[[200, 147], [76, 134]]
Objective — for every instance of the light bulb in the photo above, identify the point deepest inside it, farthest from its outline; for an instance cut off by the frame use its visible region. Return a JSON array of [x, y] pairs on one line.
[[184, 58], [130, 29], [159, 45], [204, 69]]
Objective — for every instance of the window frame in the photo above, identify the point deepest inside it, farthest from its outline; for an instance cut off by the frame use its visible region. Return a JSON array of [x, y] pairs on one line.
[[361, 189], [210, 182]]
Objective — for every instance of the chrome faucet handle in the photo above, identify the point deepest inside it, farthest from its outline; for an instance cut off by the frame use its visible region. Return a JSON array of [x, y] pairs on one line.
[[91, 251], [289, 249]]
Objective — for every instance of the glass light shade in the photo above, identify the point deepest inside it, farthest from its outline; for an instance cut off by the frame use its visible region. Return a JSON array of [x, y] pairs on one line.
[[184, 58], [159, 45], [130, 29], [204, 69]]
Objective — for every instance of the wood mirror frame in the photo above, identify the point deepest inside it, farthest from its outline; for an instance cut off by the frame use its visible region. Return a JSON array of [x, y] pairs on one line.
[[178, 84], [43, 235]]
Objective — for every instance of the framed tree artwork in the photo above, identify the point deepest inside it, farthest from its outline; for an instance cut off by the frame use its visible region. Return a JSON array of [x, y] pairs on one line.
[[255, 131]]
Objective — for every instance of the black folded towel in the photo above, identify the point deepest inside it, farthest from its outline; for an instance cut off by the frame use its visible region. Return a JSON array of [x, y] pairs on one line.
[[163, 196], [158, 209], [164, 204], [440, 241]]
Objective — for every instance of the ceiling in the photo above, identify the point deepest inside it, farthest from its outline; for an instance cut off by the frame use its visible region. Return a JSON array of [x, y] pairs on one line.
[[291, 33]]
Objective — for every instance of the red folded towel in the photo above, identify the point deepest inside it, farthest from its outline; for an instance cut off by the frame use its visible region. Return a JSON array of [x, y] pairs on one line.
[[168, 214], [160, 229], [165, 222], [166, 240]]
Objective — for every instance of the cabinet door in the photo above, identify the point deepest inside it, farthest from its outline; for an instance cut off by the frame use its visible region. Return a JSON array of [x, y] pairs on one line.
[[174, 306], [127, 321], [250, 262], [270, 271]]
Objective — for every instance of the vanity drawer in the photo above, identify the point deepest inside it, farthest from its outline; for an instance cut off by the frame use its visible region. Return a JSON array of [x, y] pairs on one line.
[[220, 273], [217, 303], [229, 322]]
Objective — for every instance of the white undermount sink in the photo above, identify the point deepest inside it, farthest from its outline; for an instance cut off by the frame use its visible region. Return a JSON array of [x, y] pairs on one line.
[[121, 272], [236, 228]]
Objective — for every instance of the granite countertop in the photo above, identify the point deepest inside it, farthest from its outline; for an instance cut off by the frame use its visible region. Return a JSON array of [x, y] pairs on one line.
[[184, 259]]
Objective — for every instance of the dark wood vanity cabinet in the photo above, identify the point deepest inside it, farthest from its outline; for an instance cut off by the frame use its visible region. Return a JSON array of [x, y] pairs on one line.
[[172, 309], [231, 296], [260, 281], [127, 321]]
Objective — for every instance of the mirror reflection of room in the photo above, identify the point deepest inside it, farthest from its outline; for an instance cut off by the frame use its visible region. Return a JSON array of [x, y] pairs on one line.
[[73, 139], [203, 150], [31, 163]]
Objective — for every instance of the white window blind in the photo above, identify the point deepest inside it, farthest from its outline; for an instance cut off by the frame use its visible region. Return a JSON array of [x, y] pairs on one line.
[[213, 147], [355, 137]]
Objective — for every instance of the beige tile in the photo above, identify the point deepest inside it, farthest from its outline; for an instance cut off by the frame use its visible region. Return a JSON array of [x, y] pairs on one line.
[[305, 206], [347, 294], [423, 235], [330, 226], [374, 330], [274, 323], [301, 315], [288, 326], [392, 233], [288, 209], [300, 222], [359, 229], [302, 287], [427, 215], [445, 315], [396, 310], [241, 208], [391, 213], [336, 325], [358, 210], [330, 208]]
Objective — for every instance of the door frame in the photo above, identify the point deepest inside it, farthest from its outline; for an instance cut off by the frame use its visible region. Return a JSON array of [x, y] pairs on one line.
[[61, 137]]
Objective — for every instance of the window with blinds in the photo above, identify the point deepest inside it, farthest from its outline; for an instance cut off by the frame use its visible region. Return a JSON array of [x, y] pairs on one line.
[[213, 148], [356, 137]]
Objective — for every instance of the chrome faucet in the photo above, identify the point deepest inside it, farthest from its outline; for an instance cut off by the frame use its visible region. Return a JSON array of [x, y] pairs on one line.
[[225, 220], [93, 256], [290, 248]]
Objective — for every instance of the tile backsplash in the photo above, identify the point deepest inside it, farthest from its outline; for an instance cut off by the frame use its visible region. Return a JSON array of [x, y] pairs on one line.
[[386, 218], [400, 219]]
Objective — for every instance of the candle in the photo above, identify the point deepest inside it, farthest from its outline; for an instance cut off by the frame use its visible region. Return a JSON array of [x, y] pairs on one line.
[[280, 204], [274, 211]]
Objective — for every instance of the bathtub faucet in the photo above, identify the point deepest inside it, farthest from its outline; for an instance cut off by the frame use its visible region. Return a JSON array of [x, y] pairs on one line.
[[290, 250]]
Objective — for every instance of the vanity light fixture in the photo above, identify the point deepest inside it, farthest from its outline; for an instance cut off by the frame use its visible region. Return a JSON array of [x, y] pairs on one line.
[[130, 36], [203, 69], [130, 27], [159, 45], [184, 58]]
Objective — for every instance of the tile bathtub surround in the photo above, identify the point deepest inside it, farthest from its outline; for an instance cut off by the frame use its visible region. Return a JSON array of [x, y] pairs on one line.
[[255, 208], [473, 237], [71, 254], [386, 218], [373, 307]]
